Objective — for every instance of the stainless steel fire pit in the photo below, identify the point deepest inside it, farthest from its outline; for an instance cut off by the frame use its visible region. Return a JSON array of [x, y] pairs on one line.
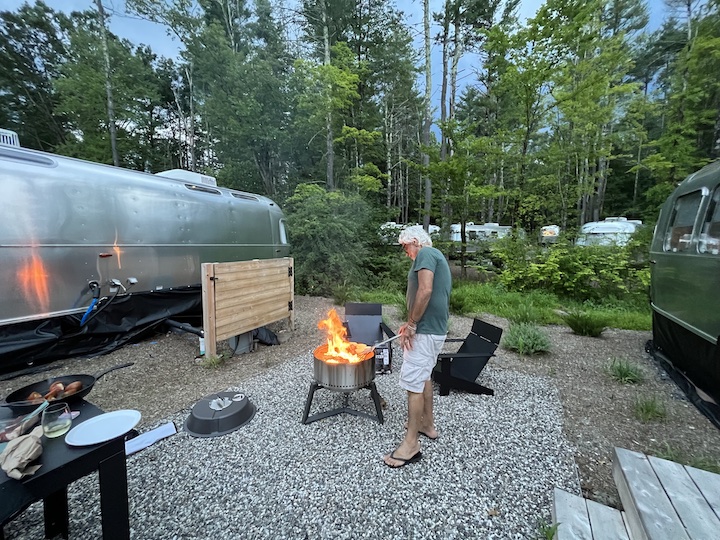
[[342, 376]]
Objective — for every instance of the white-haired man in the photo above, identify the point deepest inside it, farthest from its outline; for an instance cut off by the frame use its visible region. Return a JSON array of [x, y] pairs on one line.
[[422, 338]]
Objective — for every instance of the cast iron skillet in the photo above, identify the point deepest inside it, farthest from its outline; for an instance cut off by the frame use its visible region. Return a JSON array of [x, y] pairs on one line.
[[17, 400]]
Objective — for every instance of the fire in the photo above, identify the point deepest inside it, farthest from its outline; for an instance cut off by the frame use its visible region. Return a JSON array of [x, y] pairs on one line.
[[34, 282], [339, 350]]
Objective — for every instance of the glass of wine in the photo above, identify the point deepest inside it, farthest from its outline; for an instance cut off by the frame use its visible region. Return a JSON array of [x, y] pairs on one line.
[[56, 420]]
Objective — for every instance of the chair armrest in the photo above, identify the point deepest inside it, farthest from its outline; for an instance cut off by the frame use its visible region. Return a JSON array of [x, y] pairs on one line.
[[454, 340], [385, 328]]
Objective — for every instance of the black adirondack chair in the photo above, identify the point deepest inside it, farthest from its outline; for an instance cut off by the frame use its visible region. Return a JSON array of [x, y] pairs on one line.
[[460, 370]]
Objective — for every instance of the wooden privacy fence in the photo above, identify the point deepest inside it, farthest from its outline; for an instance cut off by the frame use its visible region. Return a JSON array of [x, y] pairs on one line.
[[239, 297]]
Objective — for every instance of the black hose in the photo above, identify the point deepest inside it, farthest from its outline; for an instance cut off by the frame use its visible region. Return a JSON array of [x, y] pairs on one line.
[[185, 327]]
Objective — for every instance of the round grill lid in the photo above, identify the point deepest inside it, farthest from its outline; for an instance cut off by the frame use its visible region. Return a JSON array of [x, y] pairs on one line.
[[219, 414]]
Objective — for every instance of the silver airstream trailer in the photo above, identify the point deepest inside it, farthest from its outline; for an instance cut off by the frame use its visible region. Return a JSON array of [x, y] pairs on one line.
[[685, 284], [92, 255], [611, 231]]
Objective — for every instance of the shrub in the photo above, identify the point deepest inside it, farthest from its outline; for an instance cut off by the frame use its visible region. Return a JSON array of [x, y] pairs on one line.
[[526, 339], [649, 408], [585, 323], [625, 372]]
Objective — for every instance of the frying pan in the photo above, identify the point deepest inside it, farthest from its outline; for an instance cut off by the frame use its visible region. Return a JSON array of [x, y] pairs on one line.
[[17, 400]]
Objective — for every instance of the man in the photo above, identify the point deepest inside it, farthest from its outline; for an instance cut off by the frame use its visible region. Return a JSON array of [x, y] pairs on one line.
[[422, 338]]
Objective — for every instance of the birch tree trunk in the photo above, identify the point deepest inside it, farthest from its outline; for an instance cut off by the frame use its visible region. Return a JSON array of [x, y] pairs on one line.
[[427, 119], [108, 85]]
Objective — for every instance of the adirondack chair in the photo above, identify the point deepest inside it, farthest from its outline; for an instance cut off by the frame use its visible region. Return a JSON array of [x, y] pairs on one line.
[[460, 370]]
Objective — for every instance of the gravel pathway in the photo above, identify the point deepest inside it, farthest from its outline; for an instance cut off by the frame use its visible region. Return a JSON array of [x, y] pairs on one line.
[[489, 475]]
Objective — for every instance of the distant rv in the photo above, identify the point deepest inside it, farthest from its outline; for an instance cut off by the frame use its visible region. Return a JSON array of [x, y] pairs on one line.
[[476, 233], [93, 255], [610, 231], [684, 285]]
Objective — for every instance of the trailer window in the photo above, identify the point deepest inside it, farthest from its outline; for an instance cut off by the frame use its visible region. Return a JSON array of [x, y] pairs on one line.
[[709, 239], [682, 220]]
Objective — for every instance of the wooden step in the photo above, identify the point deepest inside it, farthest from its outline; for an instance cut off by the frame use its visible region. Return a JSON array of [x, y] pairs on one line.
[[664, 500], [583, 519]]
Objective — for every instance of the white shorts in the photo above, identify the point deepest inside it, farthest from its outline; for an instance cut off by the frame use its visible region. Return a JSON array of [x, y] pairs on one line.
[[419, 362]]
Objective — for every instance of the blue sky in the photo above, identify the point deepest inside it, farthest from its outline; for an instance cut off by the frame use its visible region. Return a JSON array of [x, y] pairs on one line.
[[138, 31]]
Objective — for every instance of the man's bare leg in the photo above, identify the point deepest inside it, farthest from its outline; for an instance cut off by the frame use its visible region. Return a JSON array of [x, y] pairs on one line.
[[427, 423], [410, 445]]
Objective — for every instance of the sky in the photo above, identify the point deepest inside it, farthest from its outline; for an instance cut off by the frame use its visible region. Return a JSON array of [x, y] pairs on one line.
[[139, 31]]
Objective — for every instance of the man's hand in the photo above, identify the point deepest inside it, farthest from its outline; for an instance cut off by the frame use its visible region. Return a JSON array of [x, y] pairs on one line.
[[407, 332]]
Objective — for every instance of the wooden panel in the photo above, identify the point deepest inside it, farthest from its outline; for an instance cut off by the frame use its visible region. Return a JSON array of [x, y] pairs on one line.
[[571, 513], [239, 297], [208, 300], [606, 523], [695, 513], [709, 485], [649, 513]]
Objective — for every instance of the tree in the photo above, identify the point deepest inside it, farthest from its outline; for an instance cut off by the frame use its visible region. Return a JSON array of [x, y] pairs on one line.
[[33, 47]]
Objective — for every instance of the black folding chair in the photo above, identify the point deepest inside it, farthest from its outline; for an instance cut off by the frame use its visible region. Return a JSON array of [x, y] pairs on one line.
[[460, 370], [365, 325]]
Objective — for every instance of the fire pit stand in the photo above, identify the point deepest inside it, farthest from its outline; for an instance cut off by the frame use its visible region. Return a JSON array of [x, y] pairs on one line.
[[345, 408], [342, 377]]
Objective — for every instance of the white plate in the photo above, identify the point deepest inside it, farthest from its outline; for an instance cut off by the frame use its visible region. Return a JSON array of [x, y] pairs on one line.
[[104, 427]]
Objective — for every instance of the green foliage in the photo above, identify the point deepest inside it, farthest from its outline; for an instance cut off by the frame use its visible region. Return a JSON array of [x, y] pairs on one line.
[[677, 455], [579, 273], [212, 361], [585, 323], [625, 372], [476, 298], [650, 408], [547, 531], [526, 338], [326, 233]]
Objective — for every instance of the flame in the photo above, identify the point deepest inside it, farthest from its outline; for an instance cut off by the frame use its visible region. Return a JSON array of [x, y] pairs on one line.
[[339, 350], [33, 280]]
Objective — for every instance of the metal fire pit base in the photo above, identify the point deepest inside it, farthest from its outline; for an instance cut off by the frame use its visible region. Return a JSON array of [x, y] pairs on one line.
[[344, 409]]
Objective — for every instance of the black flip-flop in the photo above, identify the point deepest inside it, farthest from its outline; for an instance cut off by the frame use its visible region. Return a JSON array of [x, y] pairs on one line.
[[417, 457], [428, 436]]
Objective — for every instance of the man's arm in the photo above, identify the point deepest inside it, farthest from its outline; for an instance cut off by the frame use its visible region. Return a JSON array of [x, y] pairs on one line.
[[422, 297]]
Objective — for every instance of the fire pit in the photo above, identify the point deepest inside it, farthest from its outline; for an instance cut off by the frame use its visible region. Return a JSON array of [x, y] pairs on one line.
[[342, 366]]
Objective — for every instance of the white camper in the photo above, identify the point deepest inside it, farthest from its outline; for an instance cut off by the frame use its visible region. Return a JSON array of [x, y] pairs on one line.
[[612, 231]]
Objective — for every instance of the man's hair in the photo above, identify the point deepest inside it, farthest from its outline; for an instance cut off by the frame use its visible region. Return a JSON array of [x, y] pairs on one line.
[[416, 232]]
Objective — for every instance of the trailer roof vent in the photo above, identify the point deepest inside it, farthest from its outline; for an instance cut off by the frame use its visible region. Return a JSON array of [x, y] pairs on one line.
[[9, 138], [188, 176]]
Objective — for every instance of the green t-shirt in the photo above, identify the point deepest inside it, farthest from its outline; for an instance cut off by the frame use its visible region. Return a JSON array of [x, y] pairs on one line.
[[435, 318]]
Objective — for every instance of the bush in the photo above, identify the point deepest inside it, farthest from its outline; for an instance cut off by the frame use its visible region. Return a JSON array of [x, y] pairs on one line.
[[625, 372], [585, 323], [526, 339], [580, 273], [525, 313]]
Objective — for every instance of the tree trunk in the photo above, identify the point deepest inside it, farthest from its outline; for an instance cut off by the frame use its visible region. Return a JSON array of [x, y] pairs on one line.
[[329, 172], [426, 118], [108, 85]]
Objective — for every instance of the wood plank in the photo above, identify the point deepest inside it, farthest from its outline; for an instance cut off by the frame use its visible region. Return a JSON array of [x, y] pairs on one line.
[[251, 322], [709, 485], [249, 297], [208, 303], [260, 307], [606, 523], [570, 512], [249, 287], [649, 513], [695, 513], [256, 265]]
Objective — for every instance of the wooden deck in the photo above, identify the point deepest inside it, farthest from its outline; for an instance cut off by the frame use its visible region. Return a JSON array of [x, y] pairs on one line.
[[663, 500]]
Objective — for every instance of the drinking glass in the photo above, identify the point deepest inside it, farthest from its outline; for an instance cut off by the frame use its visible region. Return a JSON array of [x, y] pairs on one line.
[[56, 420]]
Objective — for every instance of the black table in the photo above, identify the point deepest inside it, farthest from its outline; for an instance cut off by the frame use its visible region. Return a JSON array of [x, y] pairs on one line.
[[63, 464]]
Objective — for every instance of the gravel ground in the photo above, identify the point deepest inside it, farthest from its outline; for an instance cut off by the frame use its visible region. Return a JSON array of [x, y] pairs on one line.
[[552, 423]]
